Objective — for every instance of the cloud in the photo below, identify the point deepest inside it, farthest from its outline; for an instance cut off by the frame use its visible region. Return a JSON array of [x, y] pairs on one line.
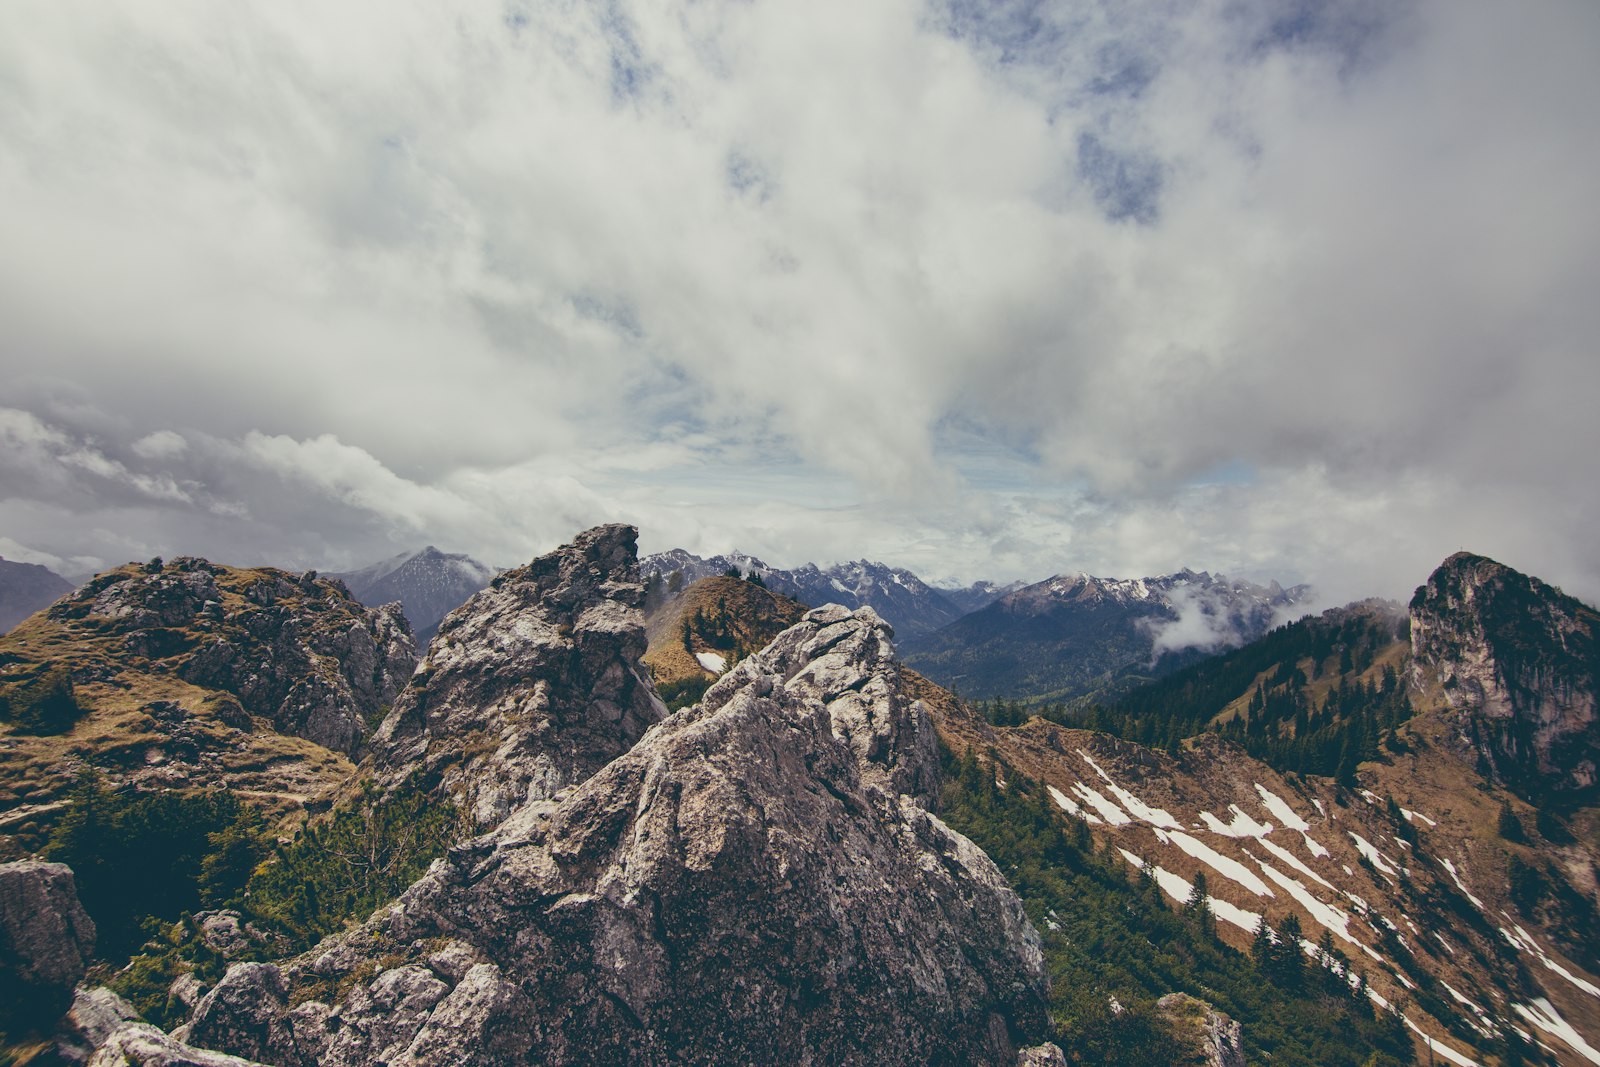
[[983, 289]]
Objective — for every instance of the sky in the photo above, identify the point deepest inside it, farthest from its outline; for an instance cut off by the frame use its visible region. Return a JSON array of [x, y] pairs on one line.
[[983, 288]]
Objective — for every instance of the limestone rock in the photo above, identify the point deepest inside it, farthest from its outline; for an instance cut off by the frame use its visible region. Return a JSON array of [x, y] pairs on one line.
[[142, 1045], [46, 942], [531, 686], [1046, 1055], [1212, 1039], [756, 881], [96, 1014]]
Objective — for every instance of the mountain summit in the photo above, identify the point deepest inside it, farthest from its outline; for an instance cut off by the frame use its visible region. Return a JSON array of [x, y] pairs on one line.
[[1520, 660]]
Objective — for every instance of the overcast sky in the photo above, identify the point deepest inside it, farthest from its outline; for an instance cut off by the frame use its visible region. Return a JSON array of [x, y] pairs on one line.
[[984, 289]]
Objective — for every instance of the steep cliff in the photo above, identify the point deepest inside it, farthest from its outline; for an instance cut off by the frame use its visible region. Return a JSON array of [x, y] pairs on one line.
[[1520, 661]]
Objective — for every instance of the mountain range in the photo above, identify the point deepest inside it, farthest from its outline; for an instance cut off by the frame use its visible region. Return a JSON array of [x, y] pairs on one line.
[[1364, 838], [905, 601], [1073, 634], [26, 588]]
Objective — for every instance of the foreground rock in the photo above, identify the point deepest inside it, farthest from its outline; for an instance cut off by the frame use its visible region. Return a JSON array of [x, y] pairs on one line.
[[532, 685], [1209, 1037], [755, 881], [46, 942]]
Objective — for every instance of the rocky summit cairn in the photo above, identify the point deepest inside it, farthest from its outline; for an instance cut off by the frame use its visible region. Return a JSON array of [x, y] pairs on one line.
[[1521, 662], [757, 880], [531, 686]]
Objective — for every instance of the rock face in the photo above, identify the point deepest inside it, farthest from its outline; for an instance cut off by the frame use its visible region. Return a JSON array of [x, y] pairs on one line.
[[1211, 1038], [532, 685], [46, 941], [1521, 662], [755, 881]]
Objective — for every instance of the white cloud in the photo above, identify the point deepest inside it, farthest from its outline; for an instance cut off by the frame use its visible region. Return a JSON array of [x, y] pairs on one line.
[[981, 289]]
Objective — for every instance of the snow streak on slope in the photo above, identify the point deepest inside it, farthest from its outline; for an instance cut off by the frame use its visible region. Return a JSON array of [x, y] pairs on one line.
[[1108, 811], [1180, 889], [1456, 878], [1136, 807], [1242, 825], [1543, 1014], [1231, 869], [1281, 810], [1072, 807]]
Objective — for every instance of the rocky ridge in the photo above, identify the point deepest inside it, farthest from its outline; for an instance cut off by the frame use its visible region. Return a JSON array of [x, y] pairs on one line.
[[749, 860], [193, 675], [531, 686]]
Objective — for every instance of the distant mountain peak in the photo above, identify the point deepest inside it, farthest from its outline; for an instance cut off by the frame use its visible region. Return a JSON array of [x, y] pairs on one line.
[[429, 584], [1521, 660]]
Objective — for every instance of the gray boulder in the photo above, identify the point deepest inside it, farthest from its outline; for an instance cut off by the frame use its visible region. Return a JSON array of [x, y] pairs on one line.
[[46, 942]]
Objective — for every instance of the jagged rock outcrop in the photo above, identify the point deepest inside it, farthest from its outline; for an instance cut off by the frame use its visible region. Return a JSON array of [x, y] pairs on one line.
[[531, 686], [755, 881], [1210, 1038], [46, 942], [1521, 662]]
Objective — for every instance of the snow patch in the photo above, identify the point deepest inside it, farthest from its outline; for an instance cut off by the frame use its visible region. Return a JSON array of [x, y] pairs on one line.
[[1413, 816], [1223, 865], [1374, 857], [1543, 1014], [1180, 889], [1313, 847], [1281, 810], [1444, 1051], [1456, 878], [712, 662], [1294, 861], [1325, 914], [1526, 943], [1108, 811], [1241, 825], [1072, 807], [1136, 807]]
